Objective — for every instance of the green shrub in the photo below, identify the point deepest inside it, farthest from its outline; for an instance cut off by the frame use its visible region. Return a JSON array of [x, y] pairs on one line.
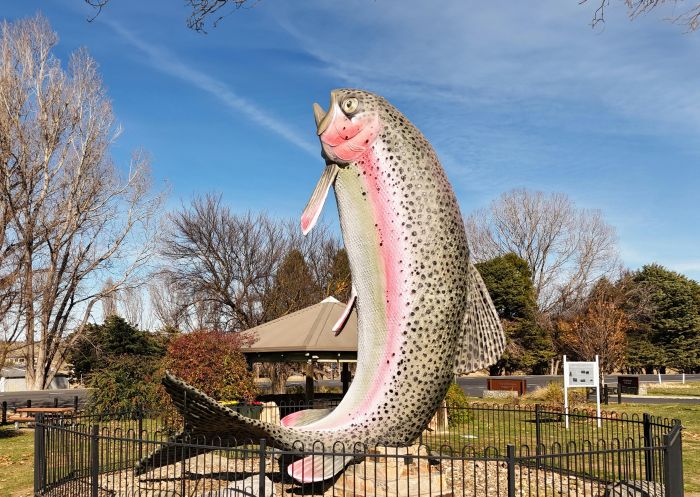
[[457, 402], [124, 383]]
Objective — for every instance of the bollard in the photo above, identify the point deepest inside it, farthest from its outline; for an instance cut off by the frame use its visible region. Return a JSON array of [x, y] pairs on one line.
[[55, 401], [606, 394], [29, 402]]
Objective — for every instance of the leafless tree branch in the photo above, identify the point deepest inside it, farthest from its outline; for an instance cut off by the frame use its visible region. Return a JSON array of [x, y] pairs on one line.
[[72, 217], [566, 248]]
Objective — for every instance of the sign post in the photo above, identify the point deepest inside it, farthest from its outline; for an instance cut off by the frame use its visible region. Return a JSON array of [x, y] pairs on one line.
[[581, 375]]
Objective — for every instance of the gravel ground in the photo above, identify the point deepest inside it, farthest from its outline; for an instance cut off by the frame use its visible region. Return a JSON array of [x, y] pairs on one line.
[[386, 472]]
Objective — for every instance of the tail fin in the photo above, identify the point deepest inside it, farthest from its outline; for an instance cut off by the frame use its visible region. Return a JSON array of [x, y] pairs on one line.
[[208, 424], [170, 453]]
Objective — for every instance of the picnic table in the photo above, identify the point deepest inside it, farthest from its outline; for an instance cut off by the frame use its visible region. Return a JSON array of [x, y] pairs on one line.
[[28, 414]]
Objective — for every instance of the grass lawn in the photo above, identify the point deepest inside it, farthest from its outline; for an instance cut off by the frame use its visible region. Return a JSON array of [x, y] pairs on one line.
[[675, 389], [16, 462], [690, 417]]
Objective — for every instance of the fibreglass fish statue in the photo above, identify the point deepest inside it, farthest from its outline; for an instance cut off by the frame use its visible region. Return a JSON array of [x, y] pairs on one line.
[[423, 311]]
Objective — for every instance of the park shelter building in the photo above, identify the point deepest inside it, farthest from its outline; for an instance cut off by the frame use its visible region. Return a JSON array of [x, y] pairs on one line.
[[306, 336]]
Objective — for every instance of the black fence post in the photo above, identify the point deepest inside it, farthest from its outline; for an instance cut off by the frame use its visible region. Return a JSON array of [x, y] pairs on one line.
[[510, 454], [262, 470], [4, 412], [140, 414], [39, 454], [648, 453], [75, 403], [94, 460], [538, 429], [606, 394], [619, 394], [673, 463], [55, 401], [29, 402]]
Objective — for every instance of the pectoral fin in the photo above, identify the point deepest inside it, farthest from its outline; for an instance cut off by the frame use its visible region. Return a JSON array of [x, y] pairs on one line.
[[317, 467], [483, 339], [302, 418], [318, 198], [340, 324]]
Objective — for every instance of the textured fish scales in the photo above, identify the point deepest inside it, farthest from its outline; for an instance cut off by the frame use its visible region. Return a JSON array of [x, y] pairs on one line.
[[423, 311]]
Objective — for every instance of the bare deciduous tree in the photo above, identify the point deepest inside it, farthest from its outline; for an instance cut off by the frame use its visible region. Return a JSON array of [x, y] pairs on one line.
[[72, 214], [566, 248], [131, 304], [226, 260], [169, 302], [109, 300], [688, 17], [226, 263], [203, 11]]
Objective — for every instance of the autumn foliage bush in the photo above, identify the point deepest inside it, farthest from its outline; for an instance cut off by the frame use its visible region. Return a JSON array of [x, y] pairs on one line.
[[212, 361]]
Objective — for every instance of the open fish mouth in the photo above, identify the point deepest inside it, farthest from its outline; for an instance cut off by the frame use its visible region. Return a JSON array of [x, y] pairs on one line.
[[323, 118]]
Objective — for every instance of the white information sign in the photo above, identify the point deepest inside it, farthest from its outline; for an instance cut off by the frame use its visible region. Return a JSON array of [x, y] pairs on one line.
[[578, 375], [582, 374]]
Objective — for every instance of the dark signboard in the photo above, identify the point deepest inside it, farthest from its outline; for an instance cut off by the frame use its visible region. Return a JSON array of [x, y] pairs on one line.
[[628, 384]]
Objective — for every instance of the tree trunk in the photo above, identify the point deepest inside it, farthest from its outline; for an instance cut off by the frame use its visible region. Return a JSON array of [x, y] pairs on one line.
[[278, 377]]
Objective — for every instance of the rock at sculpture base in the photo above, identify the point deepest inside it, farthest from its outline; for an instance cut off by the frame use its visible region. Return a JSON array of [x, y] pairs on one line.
[[270, 413], [250, 487], [499, 394], [439, 423], [637, 488], [394, 472]]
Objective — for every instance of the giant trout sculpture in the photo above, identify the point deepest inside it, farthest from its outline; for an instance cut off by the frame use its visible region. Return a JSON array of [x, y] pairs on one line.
[[423, 311]]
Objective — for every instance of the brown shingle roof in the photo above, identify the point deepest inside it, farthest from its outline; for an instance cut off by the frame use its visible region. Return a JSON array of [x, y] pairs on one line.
[[307, 330]]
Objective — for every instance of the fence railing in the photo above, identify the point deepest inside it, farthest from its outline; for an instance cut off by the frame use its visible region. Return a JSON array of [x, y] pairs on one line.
[[482, 450]]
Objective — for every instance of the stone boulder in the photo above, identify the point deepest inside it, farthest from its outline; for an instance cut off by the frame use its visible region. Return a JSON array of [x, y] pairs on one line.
[[393, 472]]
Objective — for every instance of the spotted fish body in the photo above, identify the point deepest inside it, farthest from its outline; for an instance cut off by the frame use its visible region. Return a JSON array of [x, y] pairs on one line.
[[423, 311]]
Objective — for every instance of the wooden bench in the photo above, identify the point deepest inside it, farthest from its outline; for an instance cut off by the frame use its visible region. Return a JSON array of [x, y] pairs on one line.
[[28, 414]]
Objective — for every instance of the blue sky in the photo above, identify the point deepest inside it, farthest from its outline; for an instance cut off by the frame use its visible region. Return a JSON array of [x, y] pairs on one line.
[[511, 94]]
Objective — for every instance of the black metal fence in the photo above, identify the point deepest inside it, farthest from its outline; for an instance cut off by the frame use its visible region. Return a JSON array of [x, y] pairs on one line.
[[482, 450]]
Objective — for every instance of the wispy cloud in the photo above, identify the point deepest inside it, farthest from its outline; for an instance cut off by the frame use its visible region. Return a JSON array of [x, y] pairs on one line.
[[489, 56], [168, 63]]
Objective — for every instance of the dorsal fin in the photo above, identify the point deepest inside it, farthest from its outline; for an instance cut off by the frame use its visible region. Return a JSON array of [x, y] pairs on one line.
[[483, 339]]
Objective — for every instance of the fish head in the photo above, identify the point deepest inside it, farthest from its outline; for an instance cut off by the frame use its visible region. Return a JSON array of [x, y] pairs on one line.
[[350, 126]]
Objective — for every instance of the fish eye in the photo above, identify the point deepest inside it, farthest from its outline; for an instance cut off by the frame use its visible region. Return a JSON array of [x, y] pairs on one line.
[[350, 105]]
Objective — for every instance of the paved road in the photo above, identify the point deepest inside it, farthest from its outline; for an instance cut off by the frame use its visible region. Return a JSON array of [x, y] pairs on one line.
[[472, 386], [475, 385], [44, 398]]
